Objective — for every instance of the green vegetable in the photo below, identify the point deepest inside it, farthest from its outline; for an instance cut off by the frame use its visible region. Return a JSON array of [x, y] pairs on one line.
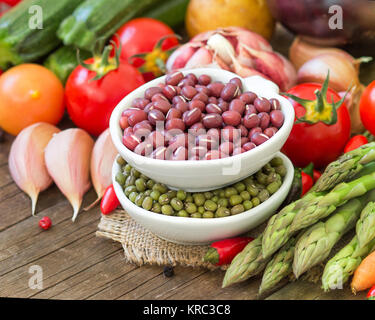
[[99, 19], [338, 269], [310, 209], [346, 167], [248, 263], [365, 228], [280, 266], [63, 61], [20, 38], [316, 243], [171, 12]]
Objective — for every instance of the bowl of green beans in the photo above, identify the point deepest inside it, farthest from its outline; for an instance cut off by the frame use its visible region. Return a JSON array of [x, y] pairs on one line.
[[194, 218]]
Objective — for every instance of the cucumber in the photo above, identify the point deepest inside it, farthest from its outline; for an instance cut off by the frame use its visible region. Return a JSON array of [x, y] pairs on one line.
[[100, 19], [19, 43], [171, 12], [64, 60]]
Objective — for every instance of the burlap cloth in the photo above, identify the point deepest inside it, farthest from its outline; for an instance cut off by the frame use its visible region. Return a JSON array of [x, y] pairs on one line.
[[142, 247]]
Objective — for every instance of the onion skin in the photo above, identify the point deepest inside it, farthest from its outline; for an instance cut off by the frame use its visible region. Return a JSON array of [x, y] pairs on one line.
[[342, 74], [301, 51], [26, 160], [67, 158]]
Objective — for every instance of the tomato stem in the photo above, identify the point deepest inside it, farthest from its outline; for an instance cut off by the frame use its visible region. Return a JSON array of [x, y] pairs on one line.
[[319, 110], [103, 62]]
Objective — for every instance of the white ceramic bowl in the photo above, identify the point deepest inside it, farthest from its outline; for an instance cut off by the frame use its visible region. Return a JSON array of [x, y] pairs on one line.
[[206, 175], [196, 231]]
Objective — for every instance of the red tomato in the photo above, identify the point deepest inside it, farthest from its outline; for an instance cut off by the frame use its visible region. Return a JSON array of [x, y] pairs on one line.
[[140, 36], [355, 142], [318, 143], [307, 182], [316, 175], [367, 107], [90, 103]]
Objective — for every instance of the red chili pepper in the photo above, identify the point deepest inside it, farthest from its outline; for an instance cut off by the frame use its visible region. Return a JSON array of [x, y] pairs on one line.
[[307, 182], [11, 3], [355, 142], [109, 201], [45, 223], [316, 175], [223, 251], [371, 294]]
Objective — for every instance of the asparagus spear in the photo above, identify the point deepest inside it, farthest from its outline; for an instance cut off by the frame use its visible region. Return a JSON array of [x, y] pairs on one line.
[[317, 242], [346, 167], [312, 208], [277, 231], [366, 225], [279, 267], [249, 262], [338, 269]]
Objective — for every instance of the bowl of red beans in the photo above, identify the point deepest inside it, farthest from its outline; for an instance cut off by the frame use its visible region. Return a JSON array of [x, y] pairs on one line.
[[201, 129]]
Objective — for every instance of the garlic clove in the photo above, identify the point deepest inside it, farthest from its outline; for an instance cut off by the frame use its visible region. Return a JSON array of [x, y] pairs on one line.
[[274, 66], [26, 160], [180, 57], [67, 158], [102, 158], [200, 58], [221, 46]]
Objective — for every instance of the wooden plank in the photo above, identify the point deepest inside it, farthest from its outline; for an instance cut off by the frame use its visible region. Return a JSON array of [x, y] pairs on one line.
[[161, 286], [127, 282], [304, 290], [4, 148], [80, 265], [31, 248], [208, 286]]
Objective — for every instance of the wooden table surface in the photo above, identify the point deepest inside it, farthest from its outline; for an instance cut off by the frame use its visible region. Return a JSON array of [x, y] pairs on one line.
[[78, 265]]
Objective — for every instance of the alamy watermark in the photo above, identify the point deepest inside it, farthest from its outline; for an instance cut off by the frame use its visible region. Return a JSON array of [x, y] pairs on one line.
[[337, 17], [36, 280], [36, 18]]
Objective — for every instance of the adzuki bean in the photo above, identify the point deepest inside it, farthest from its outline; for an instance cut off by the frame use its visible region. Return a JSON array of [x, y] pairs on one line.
[[190, 117]]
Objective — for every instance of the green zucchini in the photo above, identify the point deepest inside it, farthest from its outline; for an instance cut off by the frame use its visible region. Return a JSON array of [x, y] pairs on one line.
[[99, 19], [171, 12], [64, 60], [19, 43]]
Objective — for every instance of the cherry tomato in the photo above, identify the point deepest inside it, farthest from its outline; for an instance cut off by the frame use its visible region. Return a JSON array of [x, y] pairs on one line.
[[307, 182], [367, 107], [316, 175], [319, 142], [91, 102], [29, 93], [355, 142], [140, 35]]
